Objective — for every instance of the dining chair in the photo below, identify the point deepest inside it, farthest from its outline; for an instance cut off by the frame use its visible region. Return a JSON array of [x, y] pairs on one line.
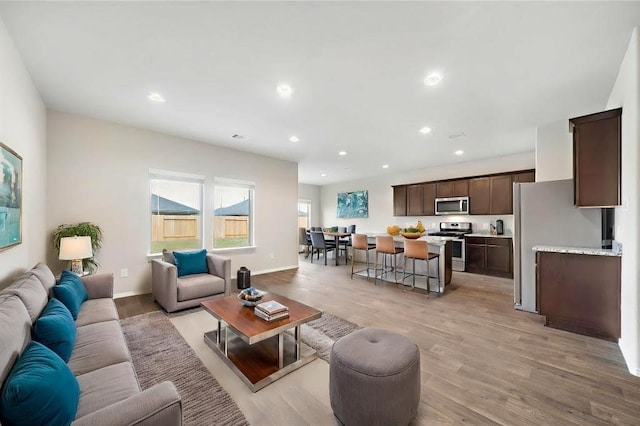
[[360, 242], [319, 243], [304, 240], [386, 246], [418, 250]]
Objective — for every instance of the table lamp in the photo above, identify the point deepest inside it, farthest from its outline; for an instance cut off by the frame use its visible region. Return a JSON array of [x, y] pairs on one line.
[[75, 249]]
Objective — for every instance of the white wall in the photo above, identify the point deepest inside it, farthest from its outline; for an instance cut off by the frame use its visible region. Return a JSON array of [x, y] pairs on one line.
[[23, 129], [312, 193], [381, 194], [99, 172], [626, 94], [554, 151]]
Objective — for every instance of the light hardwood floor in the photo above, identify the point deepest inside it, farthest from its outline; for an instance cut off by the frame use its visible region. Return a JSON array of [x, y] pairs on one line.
[[482, 361]]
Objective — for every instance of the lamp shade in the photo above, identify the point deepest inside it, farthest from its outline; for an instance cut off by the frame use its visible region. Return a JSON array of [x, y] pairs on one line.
[[73, 248]]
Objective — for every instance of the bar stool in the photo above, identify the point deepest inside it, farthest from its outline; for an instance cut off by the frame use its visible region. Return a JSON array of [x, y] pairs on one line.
[[360, 242], [414, 249], [386, 245]]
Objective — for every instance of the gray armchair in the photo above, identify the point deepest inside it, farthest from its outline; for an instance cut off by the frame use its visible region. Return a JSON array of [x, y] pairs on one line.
[[174, 293]]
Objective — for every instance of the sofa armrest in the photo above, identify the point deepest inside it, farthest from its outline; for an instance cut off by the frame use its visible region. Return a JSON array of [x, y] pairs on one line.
[[164, 284], [158, 405], [99, 286], [220, 266]]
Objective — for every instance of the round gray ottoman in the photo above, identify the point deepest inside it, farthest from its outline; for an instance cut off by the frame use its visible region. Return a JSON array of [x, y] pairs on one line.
[[374, 378]]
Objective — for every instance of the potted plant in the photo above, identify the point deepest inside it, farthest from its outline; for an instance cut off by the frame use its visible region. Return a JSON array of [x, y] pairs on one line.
[[83, 229]]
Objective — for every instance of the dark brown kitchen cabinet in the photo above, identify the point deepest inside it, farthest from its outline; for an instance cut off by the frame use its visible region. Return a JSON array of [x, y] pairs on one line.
[[421, 199], [501, 198], [400, 200], [524, 177], [428, 199], [579, 293], [415, 204], [479, 195], [452, 188], [491, 195], [444, 189], [489, 256], [596, 158]]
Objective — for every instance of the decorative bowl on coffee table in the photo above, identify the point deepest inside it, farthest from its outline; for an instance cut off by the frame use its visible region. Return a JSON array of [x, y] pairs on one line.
[[251, 296]]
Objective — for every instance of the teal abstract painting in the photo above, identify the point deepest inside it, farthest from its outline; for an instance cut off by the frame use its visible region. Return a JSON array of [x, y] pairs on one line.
[[353, 204], [10, 197]]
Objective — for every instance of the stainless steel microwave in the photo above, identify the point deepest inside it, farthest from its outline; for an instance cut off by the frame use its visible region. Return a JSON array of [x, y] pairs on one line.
[[454, 205]]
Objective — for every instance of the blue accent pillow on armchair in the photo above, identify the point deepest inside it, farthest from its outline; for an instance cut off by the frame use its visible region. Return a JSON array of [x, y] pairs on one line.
[[55, 329], [40, 390], [70, 291], [191, 262]]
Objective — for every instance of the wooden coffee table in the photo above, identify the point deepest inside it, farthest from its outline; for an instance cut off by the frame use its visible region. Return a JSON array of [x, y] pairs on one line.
[[259, 352]]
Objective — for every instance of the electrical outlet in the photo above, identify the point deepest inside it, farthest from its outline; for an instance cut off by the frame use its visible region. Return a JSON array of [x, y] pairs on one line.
[[124, 273]]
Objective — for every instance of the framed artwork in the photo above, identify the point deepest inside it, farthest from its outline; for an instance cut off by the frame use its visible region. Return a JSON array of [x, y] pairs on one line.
[[10, 197], [353, 204]]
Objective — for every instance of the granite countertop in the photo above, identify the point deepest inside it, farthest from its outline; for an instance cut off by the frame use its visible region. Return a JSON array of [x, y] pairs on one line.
[[483, 234], [593, 251]]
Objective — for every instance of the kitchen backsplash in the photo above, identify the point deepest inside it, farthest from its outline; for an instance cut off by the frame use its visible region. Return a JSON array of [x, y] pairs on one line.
[[480, 224]]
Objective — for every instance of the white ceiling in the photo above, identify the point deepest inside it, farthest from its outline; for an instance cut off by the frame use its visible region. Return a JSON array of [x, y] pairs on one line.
[[357, 70]]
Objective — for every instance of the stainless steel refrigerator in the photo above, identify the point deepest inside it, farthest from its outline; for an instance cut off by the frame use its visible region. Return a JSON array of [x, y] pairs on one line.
[[544, 214]]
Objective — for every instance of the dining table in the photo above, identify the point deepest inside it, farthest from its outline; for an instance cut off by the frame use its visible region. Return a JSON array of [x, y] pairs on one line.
[[337, 236]]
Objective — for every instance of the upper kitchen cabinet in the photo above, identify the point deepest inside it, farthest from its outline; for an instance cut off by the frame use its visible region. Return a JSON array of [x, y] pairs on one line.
[[479, 195], [428, 199], [414, 200], [421, 199], [452, 188], [501, 194], [400, 200], [596, 158], [524, 177], [491, 195]]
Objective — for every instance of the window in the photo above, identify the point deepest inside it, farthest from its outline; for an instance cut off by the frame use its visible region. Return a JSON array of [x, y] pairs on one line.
[[232, 214], [304, 214], [176, 212]]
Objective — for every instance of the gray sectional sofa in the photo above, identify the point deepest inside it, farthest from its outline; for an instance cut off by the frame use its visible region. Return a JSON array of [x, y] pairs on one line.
[[100, 361]]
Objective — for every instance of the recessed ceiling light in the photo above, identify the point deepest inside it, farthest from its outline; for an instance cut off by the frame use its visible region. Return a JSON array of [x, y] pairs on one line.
[[459, 152], [425, 130], [284, 90], [342, 153], [323, 174], [385, 166], [433, 79], [156, 97], [294, 139]]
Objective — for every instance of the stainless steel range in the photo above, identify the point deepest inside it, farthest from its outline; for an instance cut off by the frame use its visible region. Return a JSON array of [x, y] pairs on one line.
[[458, 231]]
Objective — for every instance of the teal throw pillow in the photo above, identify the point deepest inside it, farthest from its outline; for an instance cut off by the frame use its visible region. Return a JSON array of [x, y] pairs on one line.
[[55, 329], [70, 291], [40, 390], [191, 262]]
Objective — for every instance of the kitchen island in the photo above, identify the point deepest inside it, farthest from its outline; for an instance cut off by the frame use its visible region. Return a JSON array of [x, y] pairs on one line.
[[441, 245]]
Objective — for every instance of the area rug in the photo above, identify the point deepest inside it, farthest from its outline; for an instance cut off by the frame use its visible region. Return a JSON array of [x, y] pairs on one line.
[[160, 353], [320, 334]]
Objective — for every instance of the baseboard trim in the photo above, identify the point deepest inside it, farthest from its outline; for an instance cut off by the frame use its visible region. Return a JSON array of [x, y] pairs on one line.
[[268, 271], [128, 294]]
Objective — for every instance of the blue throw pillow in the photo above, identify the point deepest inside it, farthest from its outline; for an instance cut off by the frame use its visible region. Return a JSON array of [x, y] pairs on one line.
[[70, 291], [191, 262], [55, 329], [39, 390]]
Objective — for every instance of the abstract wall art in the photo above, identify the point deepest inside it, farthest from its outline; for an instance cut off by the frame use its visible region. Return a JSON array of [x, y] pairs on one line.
[[353, 204], [10, 197]]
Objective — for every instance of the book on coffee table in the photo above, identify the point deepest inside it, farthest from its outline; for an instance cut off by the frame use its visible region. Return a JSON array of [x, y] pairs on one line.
[[273, 317], [271, 307]]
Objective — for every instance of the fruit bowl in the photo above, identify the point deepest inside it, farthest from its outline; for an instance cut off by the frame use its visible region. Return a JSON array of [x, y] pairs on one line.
[[251, 296], [412, 235]]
